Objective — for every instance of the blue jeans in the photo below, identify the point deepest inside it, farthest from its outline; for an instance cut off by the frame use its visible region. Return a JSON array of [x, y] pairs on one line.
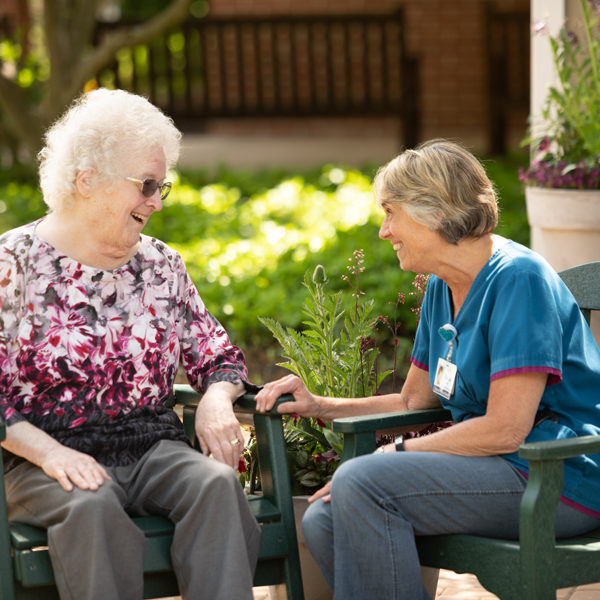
[[364, 540]]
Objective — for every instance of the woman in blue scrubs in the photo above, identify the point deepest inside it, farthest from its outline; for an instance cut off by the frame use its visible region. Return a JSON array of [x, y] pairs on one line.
[[501, 343]]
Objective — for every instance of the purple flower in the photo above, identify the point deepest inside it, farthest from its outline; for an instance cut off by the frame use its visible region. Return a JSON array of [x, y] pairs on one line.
[[567, 156], [327, 457]]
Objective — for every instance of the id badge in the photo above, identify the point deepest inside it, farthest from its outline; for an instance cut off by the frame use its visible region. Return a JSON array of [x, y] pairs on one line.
[[445, 378]]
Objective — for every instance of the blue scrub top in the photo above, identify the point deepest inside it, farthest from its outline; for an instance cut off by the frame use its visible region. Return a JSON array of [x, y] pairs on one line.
[[519, 317]]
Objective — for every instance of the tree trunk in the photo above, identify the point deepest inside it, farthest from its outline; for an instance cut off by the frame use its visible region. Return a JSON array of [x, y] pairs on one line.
[[68, 33]]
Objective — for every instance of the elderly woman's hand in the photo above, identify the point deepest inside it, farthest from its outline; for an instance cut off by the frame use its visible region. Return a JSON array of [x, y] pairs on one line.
[[70, 467], [217, 428], [305, 403]]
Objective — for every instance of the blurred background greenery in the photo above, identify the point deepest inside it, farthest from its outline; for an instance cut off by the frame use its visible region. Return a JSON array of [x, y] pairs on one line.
[[248, 238]]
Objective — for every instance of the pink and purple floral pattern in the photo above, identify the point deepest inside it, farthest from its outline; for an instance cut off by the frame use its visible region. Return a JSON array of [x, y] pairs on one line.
[[90, 356]]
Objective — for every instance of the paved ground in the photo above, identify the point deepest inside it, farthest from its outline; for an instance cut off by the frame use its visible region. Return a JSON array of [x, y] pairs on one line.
[[452, 586]]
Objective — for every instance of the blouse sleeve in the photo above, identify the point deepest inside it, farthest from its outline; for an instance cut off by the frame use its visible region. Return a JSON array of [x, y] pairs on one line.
[[12, 295], [207, 353]]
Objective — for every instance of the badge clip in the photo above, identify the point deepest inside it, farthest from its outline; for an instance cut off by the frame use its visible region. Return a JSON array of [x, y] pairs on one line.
[[445, 375]]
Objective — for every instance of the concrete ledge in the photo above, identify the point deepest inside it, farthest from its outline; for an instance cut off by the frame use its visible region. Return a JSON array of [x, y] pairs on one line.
[[259, 152]]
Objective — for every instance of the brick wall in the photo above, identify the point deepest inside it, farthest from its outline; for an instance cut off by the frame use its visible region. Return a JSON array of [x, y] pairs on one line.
[[450, 39]]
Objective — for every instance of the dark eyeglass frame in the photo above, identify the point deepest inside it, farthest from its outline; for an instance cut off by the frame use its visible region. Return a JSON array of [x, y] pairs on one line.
[[149, 186]]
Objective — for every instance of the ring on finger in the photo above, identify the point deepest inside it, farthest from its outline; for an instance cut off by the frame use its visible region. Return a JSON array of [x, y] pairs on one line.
[[234, 442]]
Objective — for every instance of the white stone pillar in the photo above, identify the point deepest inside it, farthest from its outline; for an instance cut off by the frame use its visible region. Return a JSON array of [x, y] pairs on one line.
[[552, 13]]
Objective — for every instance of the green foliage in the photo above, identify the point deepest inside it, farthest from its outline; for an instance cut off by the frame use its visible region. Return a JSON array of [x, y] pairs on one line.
[[566, 145], [574, 105], [335, 354], [20, 198], [248, 238], [513, 217]]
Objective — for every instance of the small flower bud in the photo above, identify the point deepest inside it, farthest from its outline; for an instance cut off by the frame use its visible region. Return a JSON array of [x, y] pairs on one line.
[[319, 276]]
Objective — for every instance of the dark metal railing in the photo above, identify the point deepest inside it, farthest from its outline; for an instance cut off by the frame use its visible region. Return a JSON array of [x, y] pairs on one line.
[[300, 66], [508, 64]]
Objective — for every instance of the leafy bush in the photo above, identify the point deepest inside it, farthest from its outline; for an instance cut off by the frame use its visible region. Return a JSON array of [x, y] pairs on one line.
[[248, 244], [248, 238], [335, 354], [513, 217]]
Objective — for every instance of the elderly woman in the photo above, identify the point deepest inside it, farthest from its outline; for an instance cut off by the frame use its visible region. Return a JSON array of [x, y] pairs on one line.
[[95, 319], [501, 343]]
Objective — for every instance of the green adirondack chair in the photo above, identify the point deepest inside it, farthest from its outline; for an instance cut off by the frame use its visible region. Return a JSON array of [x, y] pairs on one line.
[[537, 564], [26, 571]]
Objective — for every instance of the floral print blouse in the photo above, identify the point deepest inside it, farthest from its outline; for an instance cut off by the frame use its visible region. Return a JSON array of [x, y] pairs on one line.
[[90, 355]]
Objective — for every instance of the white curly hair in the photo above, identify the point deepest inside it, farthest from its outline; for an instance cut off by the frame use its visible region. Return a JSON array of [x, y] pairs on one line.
[[102, 130]]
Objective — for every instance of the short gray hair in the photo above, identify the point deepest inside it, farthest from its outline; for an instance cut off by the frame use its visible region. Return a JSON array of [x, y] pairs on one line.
[[101, 130], [441, 184]]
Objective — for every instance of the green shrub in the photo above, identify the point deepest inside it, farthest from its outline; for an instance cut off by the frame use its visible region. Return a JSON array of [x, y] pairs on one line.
[[249, 238], [513, 217]]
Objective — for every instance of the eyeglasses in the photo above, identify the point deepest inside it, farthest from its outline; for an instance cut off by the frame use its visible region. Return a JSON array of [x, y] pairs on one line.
[[148, 187]]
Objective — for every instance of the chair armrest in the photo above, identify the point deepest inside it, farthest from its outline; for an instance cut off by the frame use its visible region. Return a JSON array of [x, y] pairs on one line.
[[390, 420], [247, 404], [560, 449], [542, 494], [359, 432], [187, 396]]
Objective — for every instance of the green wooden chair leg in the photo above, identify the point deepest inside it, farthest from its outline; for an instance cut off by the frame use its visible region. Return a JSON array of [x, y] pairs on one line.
[[7, 589], [357, 444], [269, 436], [536, 529]]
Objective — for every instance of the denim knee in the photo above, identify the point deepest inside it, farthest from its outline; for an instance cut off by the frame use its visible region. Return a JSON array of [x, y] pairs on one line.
[[345, 477], [316, 524], [351, 485]]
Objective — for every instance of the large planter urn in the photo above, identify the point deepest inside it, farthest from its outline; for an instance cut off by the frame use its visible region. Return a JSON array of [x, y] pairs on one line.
[[565, 228]]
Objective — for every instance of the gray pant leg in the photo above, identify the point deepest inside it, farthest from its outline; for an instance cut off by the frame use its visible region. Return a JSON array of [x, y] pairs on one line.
[[215, 546], [89, 561]]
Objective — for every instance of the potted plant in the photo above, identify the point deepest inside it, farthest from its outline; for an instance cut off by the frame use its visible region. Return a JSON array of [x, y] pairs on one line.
[[563, 178], [335, 355]]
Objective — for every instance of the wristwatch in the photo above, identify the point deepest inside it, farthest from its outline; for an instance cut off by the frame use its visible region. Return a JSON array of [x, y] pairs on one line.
[[398, 443]]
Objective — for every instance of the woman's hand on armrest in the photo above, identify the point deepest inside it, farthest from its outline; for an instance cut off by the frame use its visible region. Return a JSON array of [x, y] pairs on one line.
[[217, 427], [416, 393], [305, 403]]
